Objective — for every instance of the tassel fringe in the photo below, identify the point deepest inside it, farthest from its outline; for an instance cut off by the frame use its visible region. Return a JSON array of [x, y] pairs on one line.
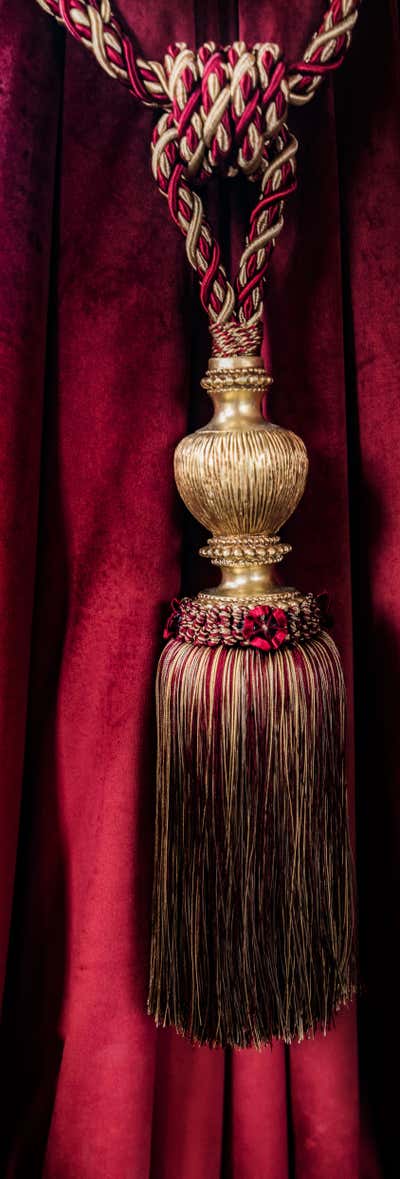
[[252, 911]]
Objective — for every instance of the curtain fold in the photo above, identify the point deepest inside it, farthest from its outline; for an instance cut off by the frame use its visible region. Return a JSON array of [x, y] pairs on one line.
[[101, 343], [29, 97]]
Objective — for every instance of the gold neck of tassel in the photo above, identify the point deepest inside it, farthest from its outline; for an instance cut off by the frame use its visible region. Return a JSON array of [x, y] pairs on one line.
[[242, 477]]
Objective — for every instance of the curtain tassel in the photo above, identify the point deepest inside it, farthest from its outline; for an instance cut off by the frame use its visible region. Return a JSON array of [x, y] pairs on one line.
[[252, 933]]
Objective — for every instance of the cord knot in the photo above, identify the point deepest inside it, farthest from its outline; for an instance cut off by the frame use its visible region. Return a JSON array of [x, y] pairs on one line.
[[226, 104]]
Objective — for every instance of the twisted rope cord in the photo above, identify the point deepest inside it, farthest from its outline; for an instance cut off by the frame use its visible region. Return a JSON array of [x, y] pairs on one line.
[[266, 223], [325, 51], [223, 109], [94, 23], [186, 208]]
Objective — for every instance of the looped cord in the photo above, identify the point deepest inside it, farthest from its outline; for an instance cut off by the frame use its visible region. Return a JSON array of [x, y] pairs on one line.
[[277, 168], [225, 110]]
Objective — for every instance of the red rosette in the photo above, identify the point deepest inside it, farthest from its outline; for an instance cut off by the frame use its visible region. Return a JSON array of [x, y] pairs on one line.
[[266, 627]]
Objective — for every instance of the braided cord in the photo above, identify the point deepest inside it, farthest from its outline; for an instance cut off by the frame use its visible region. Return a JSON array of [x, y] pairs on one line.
[[222, 109]]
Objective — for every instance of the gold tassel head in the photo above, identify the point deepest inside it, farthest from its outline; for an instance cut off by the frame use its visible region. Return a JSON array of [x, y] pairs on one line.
[[241, 477]]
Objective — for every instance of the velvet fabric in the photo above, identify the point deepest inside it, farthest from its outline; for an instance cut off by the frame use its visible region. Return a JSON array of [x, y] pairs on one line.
[[101, 345]]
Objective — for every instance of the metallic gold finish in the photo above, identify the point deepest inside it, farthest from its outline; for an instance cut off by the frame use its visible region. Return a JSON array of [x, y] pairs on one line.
[[255, 378], [276, 595], [241, 477], [218, 363], [249, 550], [240, 581]]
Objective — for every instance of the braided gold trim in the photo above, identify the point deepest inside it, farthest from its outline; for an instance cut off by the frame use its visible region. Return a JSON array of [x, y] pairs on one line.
[[245, 550], [233, 378], [283, 597]]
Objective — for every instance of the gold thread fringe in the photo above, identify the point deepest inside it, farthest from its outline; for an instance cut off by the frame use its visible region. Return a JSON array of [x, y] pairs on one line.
[[252, 911]]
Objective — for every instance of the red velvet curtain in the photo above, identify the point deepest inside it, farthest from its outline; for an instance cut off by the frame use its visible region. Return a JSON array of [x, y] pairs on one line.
[[101, 345]]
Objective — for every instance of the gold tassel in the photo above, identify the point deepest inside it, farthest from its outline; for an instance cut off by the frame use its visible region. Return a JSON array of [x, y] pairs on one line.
[[252, 908]]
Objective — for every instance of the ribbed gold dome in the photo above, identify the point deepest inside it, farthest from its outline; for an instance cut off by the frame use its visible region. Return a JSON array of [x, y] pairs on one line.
[[241, 476]]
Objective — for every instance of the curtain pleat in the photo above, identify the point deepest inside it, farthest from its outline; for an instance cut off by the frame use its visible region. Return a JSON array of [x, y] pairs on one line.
[[101, 345], [29, 97]]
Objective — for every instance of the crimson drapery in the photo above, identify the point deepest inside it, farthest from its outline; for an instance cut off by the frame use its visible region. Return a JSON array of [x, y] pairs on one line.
[[101, 344]]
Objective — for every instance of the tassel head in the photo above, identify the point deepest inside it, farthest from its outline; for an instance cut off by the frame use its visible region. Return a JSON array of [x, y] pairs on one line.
[[241, 477]]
